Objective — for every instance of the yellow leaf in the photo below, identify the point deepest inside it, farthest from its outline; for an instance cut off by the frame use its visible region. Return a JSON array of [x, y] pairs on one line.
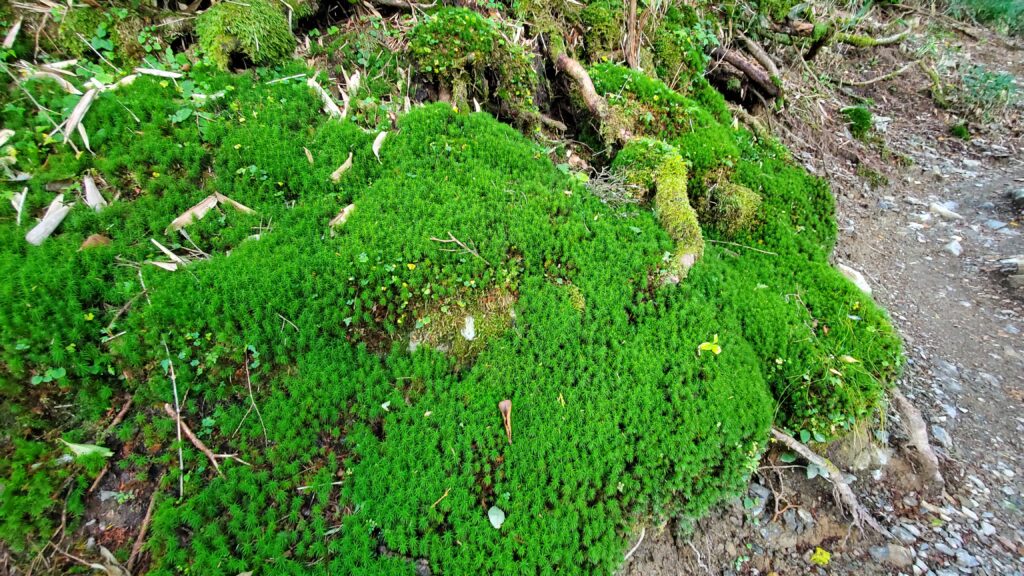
[[849, 359], [821, 557], [411, 266]]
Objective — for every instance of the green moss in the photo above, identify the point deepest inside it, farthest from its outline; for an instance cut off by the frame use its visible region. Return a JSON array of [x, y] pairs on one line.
[[604, 24], [729, 207], [776, 10], [78, 27], [694, 127], [652, 164], [465, 54], [365, 456], [858, 119], [960, 130], [680, 43], [256, 29]]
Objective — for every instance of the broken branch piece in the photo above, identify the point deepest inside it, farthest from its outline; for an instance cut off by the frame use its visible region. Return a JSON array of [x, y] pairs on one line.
[[54, 216], [198, 211], [505, 407]]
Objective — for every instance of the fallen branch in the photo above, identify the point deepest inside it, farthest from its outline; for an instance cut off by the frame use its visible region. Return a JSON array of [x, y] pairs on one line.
[[757, 76], [193, 438], [401, 4], [55, 214], [762, 58], [140, 540], [881, 78], [595, 103], [93, 198], [835, 476], [862, 41], [453, 239], [199, 211], [917, 431]]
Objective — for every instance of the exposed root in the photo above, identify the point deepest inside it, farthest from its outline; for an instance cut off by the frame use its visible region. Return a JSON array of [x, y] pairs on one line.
[[595, 103], [917, 431], [756, 75], [860, 515]]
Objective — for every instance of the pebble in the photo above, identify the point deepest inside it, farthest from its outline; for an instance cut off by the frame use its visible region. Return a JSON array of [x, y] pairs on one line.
[[954, 248], [854, 276], [904, 535], [995, 224], [987, 529], [943, 212], [942, 437], [893, 554], [966, 560]]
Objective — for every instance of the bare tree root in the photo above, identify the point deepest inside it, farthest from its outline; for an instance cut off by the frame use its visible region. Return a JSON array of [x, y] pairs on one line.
[[917, 431], [860, 515], [595, 103], [756, 75]]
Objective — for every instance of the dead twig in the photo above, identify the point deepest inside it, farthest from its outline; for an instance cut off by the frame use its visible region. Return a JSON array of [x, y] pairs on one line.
[[176, 413], [835, 476], [140, 540], [751, 248], [453, 239], [248, 384], [194, 439], [881, 78], [643, 532]]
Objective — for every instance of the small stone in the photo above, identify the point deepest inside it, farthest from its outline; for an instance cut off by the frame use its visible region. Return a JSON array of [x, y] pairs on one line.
[[943, 212], [995, 224], [854, 276], [954, 248], [904, 535], [969, 513], [987, 529], [966, 560], [942, 437], [469, 329], [893, 555], [943, 548]]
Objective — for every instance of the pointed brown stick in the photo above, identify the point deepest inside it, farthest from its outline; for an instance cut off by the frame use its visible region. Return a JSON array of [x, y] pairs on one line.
[[835, 476], [505, 407], [193, 438]]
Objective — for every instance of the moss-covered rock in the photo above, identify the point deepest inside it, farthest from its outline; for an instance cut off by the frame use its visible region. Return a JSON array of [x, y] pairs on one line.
[[652, 164], [256, 30], [466, 56], [730, 207], [604, 26], [78, 27]]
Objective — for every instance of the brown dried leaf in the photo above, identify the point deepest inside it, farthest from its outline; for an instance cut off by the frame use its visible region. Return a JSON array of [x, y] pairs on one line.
[[336, 175], [94, 241]]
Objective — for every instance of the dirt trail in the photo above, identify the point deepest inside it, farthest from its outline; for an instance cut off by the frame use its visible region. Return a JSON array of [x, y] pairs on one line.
[[964, 339]]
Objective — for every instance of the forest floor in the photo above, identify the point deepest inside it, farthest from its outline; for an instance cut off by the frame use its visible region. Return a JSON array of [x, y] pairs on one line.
[[962, 326]]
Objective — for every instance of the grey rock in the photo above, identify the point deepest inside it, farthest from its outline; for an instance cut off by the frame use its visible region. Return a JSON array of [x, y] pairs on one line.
[[423, 567], [943, 548], [995, 224], [893, 555], [987, 529], [942, 437], [904, 535], [966, 560], [1017, 197], [947, 368], [854, 276], [954, 248]]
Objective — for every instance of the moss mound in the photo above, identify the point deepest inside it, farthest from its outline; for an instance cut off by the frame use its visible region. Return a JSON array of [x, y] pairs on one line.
[[256, 29], [365, 457], [466, 55]]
